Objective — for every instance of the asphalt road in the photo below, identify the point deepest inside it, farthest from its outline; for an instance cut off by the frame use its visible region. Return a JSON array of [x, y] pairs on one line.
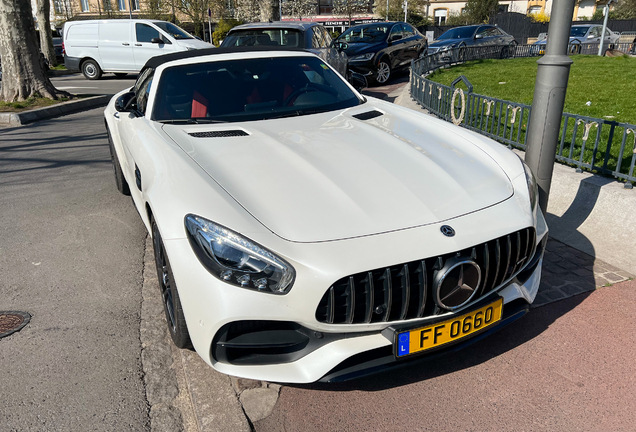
[[71, 254], [567, 366], [108, 84]]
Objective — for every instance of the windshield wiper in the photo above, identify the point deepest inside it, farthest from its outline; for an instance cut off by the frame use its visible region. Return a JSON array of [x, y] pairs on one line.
[[191, 121]]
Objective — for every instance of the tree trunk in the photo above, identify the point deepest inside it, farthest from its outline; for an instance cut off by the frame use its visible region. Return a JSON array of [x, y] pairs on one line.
[[46, 40], [22, 73], [269, 10]]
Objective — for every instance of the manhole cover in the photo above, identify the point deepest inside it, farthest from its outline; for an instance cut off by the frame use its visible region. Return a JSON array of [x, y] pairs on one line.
[[12, 321]]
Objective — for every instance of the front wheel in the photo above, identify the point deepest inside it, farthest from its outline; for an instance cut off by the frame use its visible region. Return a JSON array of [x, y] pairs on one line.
[[384, 72], [91, 70], [171, 303]]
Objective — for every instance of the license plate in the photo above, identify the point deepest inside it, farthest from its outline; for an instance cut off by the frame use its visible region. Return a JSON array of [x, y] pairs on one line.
[[445, 332]]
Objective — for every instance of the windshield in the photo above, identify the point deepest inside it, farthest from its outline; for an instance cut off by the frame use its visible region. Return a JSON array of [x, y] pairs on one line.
[[578, 31], [366, 34], [250, 89], [173, 30], [269, 37], [458, 33]]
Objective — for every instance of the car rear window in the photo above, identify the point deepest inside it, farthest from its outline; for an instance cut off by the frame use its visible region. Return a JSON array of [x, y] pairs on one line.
[[265, 37]]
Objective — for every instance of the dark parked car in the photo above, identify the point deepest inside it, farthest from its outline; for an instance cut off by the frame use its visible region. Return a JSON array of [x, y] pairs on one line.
[[473, 35], [379, 49], [305, 35]]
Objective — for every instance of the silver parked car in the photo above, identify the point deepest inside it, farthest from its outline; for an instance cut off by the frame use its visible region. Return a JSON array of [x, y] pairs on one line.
[[583, 34]]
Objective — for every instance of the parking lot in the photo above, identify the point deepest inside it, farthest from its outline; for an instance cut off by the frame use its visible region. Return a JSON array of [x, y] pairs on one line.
[[75, 255]]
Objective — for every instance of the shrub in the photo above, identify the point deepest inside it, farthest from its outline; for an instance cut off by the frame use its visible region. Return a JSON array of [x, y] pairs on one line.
[[540, 17], [223, 28]]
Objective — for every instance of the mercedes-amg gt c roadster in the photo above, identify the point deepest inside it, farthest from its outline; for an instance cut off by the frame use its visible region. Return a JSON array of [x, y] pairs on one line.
[[304, 232]]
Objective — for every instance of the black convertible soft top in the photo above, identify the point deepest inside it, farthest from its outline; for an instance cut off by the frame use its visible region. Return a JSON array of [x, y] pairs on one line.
[[157, 61]]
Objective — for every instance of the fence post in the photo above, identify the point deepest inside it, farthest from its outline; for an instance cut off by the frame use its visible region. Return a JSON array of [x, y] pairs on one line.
[[549, 97]]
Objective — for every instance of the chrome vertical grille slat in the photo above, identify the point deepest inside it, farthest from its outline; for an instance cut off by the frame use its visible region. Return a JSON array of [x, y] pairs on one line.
[[405, 291], [369, 297], [351, 304], [387, 289], [423, 275]]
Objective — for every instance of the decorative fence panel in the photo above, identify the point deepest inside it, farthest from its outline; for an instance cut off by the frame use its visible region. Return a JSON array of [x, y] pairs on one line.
[[598, 145]]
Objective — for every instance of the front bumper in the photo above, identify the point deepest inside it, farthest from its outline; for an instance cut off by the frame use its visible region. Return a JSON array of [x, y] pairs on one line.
[[277, 338], [367, 68]]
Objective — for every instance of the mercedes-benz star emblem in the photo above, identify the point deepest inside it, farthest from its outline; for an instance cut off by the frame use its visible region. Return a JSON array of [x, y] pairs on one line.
[[456, 283], [448, 231]]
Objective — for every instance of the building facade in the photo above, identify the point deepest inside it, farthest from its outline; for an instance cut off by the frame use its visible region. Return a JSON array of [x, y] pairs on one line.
[[440, 10]]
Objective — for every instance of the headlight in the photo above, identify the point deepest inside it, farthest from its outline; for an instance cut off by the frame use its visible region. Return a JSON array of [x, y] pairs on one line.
[[236, 260], [367, 56], [533, 189], [447, 47]]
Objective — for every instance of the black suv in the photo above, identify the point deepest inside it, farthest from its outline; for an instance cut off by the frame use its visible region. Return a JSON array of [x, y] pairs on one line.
[[377, 50]]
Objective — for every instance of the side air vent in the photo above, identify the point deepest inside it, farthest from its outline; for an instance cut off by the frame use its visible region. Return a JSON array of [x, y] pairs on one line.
[[219, 134], [368, 115]]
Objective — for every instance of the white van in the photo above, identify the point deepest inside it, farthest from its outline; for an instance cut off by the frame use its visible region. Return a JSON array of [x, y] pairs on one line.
[[121, 46]]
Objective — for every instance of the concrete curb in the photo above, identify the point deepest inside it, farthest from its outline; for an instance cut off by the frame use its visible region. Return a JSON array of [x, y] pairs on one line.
[[589, 212], [25, 117], [183, 392]]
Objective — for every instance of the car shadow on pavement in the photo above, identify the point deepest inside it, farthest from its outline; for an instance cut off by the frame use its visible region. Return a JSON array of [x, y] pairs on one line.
[[568, 279]]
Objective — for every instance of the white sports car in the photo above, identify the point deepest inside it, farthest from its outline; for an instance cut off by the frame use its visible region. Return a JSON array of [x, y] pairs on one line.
[[303, 232]]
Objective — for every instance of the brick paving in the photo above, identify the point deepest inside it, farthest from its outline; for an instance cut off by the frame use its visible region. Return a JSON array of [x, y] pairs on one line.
[[568, 272]]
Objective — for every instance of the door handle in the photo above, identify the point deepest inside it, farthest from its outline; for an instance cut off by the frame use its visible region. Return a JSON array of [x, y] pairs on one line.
[[125, 44], [137, 44], [116, 115]]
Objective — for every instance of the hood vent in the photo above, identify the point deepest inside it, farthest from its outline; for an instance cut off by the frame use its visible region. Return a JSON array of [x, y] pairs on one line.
[[219, 134], [368, 115]]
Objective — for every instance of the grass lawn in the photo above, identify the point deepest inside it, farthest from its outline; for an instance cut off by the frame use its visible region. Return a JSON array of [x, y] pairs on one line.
[[608, 83], [29, 104]]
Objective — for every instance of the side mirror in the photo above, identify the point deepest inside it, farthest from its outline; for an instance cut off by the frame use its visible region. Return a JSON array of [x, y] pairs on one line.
[[590, 36], [125, 102], [157, 40], [358, 81], [341, 46], [396, 37], [479, 36]]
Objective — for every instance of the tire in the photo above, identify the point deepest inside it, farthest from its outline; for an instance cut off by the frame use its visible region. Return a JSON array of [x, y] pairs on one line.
[[120, 180], [383, 73], [170, 295], [91, 70], [120, 75]]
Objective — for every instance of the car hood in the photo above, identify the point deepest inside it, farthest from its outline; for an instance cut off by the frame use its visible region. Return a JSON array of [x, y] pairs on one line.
[[331, 176], [194, 43], [356, 48]]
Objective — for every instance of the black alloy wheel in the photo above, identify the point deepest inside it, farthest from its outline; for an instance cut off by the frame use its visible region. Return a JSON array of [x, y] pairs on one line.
[[171, 303]]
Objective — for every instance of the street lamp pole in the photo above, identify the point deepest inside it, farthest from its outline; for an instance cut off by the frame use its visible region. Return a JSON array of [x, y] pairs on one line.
[[606, 13], [549, 97], [130, 9]]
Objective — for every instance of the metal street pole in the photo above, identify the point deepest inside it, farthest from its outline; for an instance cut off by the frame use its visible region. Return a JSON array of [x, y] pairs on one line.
[[130, 9], [210, 24], [406, 8], [387, 10], [549, 97], [606, 13]]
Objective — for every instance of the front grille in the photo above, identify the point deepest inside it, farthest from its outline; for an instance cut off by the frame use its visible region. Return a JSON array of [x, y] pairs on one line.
[[405, 291], [219, 134]]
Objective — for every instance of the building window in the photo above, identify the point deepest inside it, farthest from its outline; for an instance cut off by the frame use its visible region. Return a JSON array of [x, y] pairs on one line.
[[502, 8], [135, 5], [107, 6], [121, 4], [534, 10], [440, 16], [84, 5], [58, 7]]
